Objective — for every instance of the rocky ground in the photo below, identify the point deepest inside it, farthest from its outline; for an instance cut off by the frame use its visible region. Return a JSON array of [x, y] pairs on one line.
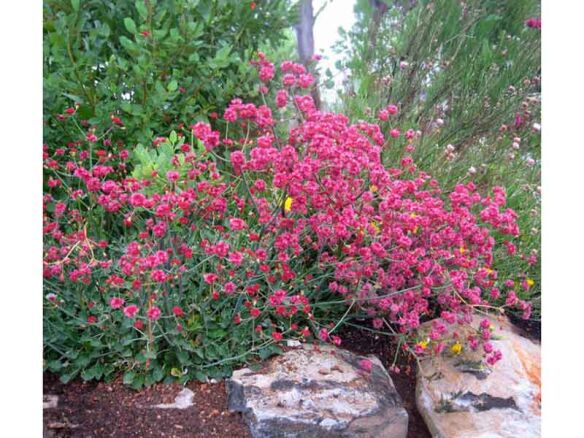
[[91, 409]]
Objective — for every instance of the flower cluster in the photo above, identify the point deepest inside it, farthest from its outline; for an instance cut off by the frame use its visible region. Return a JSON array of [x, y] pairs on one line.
[[249, 238]]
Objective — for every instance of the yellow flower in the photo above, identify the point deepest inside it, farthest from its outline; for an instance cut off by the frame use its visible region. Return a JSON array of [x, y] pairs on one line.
[[530, 281], [456, 348], [288, 204], [373, 188], [423, 344], [375, 226], [462, 249], [413, 215]]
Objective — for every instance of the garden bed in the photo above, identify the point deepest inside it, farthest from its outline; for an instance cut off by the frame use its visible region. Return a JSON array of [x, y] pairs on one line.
[[113, 410]]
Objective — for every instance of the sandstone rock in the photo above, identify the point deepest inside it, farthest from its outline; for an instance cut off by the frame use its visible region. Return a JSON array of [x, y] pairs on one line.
[[50, 401], [462, 399], [183, 400], [291, 396]]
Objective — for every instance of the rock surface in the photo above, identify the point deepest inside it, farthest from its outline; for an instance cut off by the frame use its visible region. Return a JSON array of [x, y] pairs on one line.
[[183, 400], [321, 392], [464, 400], [50, 401]]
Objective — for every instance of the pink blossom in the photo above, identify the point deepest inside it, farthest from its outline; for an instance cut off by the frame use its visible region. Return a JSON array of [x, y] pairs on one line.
[[116, 302], [154, 313], [366, 365], [131, 310]]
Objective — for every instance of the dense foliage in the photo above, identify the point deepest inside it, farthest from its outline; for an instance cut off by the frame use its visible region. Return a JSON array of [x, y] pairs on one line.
[[466, 75], [183, 259], [153, 64]]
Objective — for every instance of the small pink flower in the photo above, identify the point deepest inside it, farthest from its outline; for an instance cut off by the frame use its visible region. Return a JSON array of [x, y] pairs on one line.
[[394, 133], [366, 365], [178, 312], [137, 199], [158, 276], [237, 224], [154, 313], [392, 109], [172, 175], [116, 302], [229, 287], [236, 258], [210, 278], [131, 310]]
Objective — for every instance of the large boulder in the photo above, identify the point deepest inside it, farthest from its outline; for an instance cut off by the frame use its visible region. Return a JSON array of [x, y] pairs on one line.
[[460, 398], [318, 391]]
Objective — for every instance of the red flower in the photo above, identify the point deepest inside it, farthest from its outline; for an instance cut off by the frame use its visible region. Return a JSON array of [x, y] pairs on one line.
[[366, 365], [252, 5], [154, 313], [116, 302], [131, 310]]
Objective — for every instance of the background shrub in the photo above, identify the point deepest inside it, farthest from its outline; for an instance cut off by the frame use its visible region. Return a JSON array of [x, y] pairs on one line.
[[467, 76], [153, 64]]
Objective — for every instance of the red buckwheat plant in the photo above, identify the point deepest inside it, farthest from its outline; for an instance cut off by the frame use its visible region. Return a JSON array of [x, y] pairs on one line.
[[187, 257]]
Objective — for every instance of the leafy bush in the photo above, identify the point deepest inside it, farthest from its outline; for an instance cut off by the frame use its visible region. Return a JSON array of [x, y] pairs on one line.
[[467, 76], [153, 64], [212, 248]]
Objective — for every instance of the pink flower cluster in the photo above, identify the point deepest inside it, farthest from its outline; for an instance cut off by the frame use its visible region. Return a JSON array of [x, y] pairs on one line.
[[282, 220]]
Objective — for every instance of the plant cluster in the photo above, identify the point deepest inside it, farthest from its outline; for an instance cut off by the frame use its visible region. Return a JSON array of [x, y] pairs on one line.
[[466, 77], [183, 258], [152, 63]]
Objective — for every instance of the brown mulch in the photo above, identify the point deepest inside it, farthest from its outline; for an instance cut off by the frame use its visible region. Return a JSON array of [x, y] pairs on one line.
[[90, 409]]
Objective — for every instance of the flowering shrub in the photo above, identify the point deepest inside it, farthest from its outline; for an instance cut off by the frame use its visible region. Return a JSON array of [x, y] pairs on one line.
[[475, 103], [205, 250]]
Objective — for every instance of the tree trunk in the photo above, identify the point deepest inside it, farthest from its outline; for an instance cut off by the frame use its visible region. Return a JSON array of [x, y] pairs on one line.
[[305, 40], [379, 9]]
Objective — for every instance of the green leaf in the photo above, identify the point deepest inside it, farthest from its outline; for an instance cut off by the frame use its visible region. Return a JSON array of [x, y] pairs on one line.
[[66, 378], [173, 137], [88, 374], [217, 333], [158, 374], [172, 86], [150, 355], [129, 377], [141, 8], [54, 365], [130, 25], [183, 357], [75, 5], [128, 44]]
